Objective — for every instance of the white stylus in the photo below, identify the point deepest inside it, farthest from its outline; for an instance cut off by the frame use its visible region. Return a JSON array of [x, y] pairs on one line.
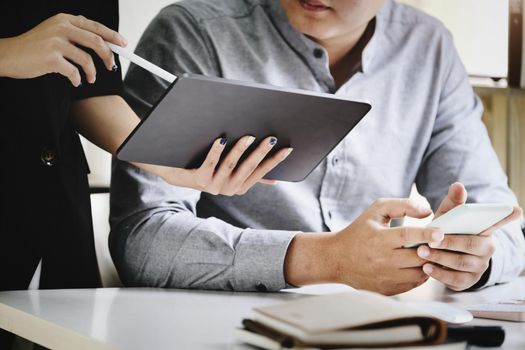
[[139, 61]]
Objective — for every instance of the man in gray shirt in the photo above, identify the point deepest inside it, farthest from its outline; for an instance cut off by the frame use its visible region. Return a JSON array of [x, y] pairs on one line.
[[425, 128]]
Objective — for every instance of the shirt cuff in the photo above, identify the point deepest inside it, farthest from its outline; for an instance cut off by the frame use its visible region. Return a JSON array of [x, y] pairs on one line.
[[259, 260], [497, 264]]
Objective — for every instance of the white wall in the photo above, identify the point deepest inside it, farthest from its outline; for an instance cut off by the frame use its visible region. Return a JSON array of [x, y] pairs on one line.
[[135, 15], [480, 30]]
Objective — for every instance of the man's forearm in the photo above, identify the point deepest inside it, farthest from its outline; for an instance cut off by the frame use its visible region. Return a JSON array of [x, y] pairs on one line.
[[309, 260]]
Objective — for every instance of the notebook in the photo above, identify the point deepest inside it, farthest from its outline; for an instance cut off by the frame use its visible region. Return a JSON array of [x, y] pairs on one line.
[[358, 318], [259, 341]]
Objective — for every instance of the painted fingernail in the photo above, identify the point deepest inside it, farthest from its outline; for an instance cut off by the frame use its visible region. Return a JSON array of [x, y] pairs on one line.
[[437, 236], [273, 141], [427, 268], [250, 140], [223, 141], [114, 68], [423, 251]]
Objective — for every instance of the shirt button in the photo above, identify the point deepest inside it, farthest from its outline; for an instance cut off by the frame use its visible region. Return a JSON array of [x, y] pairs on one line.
[[335, 161], [48, 157], [318, 53], [261, 287]]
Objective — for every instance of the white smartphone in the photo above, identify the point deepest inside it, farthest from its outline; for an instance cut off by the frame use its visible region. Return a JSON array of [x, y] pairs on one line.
[[470, 219]]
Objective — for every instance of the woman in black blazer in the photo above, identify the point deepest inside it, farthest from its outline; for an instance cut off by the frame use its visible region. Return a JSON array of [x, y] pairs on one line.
[[57, 78]]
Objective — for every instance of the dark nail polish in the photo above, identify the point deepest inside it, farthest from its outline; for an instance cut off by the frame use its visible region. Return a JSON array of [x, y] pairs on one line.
[[114, 68], [273, 141], [223, 141]]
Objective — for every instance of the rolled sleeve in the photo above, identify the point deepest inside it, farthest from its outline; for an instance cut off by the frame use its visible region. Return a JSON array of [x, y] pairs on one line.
[[259, 260], [509, 257], [157, 240], [171, 249], [496, 265]]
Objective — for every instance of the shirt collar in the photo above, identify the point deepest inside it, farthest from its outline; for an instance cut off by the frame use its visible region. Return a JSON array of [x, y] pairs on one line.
[[371, 48], [304, 45]]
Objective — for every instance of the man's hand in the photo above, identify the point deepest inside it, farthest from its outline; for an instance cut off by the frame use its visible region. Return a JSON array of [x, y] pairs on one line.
[[459, 261], [368, 254]]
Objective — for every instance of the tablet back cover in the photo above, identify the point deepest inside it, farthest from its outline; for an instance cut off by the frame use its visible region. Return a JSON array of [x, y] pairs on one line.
[[196, 110]]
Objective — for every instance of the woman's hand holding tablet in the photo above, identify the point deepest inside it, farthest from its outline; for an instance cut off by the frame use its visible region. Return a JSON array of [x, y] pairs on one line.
[[235, 174]]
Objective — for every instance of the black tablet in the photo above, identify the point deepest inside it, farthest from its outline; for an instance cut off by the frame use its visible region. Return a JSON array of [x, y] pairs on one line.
[[196, 110]]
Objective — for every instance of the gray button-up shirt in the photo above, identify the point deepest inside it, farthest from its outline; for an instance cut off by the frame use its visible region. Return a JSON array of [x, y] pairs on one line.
[[425, 127]]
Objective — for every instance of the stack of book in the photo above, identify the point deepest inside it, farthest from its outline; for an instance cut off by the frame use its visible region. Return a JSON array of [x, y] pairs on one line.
[[357, 319]]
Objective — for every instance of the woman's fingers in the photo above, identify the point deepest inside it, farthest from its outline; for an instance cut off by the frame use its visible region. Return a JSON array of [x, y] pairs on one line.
[[268, 182], [264, 168], [230, 162], [65, 68], [249, 165], [56, 43], [231, 177], [95, 42], [204, 175], [83, 59], [214, 155], [101, 30]]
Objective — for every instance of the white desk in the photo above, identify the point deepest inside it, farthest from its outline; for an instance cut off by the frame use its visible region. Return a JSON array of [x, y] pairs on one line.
[[138, 319]]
